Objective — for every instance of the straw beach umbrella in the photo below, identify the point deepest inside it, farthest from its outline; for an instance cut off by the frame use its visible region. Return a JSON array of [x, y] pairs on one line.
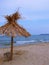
[[12, 28]]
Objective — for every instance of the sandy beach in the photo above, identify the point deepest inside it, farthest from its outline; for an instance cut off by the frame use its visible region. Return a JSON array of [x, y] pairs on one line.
[[33, 54]]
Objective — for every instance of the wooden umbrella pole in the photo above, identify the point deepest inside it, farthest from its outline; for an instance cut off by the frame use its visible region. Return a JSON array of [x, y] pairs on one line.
[[11, 48]]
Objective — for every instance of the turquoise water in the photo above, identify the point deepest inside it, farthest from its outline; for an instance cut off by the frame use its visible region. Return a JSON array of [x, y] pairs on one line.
[[5, 40]]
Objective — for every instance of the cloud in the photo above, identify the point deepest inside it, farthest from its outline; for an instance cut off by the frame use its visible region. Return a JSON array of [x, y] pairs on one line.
[[26, 7], [31, 9], [27, 4], [36, 16]]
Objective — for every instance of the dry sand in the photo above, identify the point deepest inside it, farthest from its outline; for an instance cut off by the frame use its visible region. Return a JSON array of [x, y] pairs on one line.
[[37, 54]]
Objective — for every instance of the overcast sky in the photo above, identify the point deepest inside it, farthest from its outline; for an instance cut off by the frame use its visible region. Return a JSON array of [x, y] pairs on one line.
[[35, 14]]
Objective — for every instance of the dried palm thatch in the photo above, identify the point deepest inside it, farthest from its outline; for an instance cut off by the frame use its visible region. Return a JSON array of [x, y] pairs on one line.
[[13, 29], [13, 17]]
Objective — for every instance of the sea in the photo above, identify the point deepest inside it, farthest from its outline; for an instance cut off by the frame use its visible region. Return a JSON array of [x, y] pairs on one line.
[[20, 40]]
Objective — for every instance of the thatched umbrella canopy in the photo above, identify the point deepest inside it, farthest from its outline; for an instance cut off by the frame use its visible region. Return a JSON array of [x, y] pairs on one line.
[[13, 29]]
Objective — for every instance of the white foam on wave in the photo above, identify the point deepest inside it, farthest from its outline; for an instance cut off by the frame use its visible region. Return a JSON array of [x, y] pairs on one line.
[[23, 42]]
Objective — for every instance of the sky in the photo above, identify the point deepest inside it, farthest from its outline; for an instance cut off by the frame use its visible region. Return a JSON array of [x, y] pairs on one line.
[[35, 14]]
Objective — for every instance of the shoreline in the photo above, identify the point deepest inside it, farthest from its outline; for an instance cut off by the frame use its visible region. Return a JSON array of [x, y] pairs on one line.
[[26, 44]]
